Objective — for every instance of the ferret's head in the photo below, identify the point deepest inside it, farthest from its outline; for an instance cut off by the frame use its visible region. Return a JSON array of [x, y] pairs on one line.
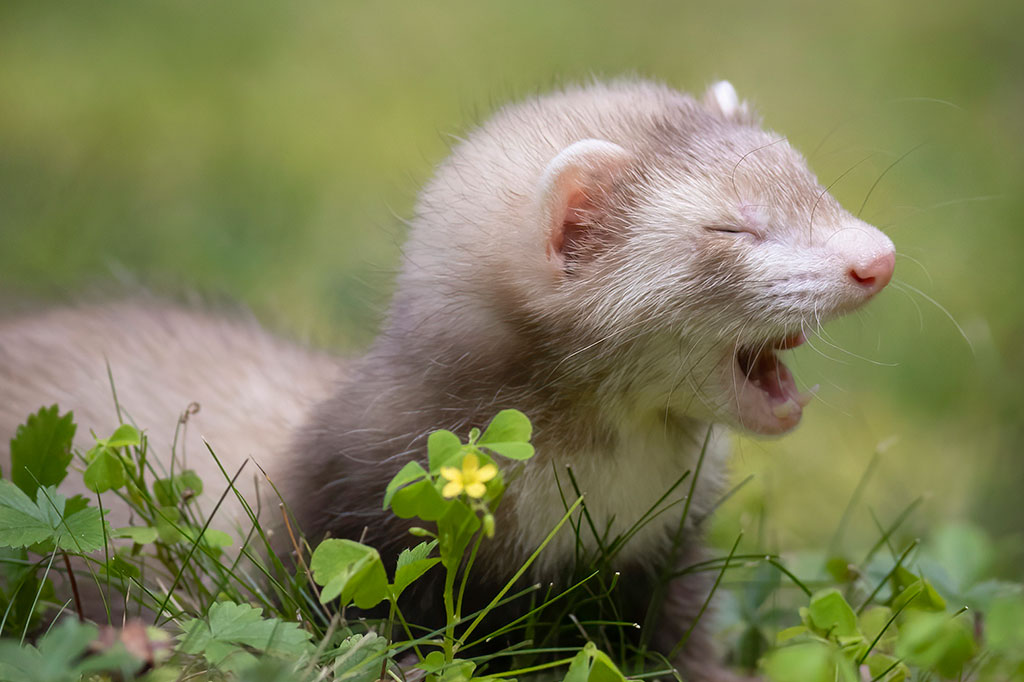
[[671, 244]]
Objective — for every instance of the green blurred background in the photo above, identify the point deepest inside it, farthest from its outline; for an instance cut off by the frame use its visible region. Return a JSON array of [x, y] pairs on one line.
[[266, 153]]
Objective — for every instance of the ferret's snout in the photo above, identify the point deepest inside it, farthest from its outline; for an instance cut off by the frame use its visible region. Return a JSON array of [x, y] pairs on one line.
[[868, 258], [873, 276]]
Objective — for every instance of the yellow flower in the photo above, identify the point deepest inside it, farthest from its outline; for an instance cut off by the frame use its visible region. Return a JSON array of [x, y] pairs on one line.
[[470, 478]]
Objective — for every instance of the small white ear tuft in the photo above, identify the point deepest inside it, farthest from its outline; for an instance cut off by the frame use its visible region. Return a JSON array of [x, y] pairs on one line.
[[722, 97], [569, 191]]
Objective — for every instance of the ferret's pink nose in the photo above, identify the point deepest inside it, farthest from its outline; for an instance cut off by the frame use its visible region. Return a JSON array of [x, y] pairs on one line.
[[875, 275]]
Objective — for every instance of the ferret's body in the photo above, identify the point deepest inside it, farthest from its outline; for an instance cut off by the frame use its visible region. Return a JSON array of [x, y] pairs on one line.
[[621, 262], [251, 388]]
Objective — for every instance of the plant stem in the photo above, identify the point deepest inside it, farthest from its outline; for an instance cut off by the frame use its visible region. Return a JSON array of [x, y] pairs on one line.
[[465, 573], [449, 612], [74, 587]]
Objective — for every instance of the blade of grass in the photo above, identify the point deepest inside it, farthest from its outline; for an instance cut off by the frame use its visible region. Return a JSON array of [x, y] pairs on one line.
[[647, 517], [881, 583], [508, 627], [586, 513], [900, 518], [35, 602], [658, 594], [195, 543], [689, 631], [698, 520], [864, 656], [518, 574], [789, 574]]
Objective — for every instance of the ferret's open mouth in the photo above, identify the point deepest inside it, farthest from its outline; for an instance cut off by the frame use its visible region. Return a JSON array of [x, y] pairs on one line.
[[767, 398]]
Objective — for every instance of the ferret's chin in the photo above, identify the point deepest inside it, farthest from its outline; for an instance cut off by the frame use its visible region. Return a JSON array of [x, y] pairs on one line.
[[765, 398]]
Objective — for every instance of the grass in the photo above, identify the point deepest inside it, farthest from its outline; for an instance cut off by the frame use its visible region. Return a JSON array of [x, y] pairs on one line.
[[222, 607]]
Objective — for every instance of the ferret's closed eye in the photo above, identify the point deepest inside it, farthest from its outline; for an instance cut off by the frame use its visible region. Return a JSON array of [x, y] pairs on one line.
[[731, 229]]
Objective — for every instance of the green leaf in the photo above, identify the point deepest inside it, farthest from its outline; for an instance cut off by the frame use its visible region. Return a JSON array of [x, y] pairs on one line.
[[420, 499], [24, 523], [21, 523], [63, 654], [412, 563], [167, 522], [75, 503], [603, 669], [56, 655], [417, 553], [358, 658], [125, 435], [831, 615], [81, 532], [809, 662], [41, 450], [454, 531], [593, 665], [122, 568], [919, 595], [871, 623], [936, 641], [1004, 625], [579, 668], [443, 449], [351, 571], [790, 633], [105, 472], [460, 670], [412, 471], [140, 535], [229, 629], [928, 599], [408, 574], [170, 491], [880, 663], [839, 568], [214, 537], [517, 451], [19, 585], [508, 435], [433, 662]]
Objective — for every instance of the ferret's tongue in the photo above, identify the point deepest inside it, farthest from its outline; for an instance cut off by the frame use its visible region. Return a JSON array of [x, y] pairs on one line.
[[766, 372]]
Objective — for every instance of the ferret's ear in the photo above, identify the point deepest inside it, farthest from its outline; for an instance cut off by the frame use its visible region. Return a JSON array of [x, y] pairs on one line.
[[571, 192], [721, 98]]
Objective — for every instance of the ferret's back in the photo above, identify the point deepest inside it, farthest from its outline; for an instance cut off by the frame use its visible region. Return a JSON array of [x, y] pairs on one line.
[[252, 388]]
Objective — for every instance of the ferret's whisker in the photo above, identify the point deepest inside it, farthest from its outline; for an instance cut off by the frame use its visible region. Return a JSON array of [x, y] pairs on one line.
[[904, 285]]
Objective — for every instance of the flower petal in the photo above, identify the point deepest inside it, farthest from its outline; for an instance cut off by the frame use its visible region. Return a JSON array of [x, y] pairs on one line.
[[486, 473], [451, 473], [452, 489], [476, 489]]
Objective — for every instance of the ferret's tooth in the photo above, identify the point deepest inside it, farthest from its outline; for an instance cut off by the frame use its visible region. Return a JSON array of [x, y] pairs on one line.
[[807, 396], [783, 410]]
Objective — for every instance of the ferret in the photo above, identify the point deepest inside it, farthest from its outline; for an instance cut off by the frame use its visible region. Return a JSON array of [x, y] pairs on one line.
[[621, 261]]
